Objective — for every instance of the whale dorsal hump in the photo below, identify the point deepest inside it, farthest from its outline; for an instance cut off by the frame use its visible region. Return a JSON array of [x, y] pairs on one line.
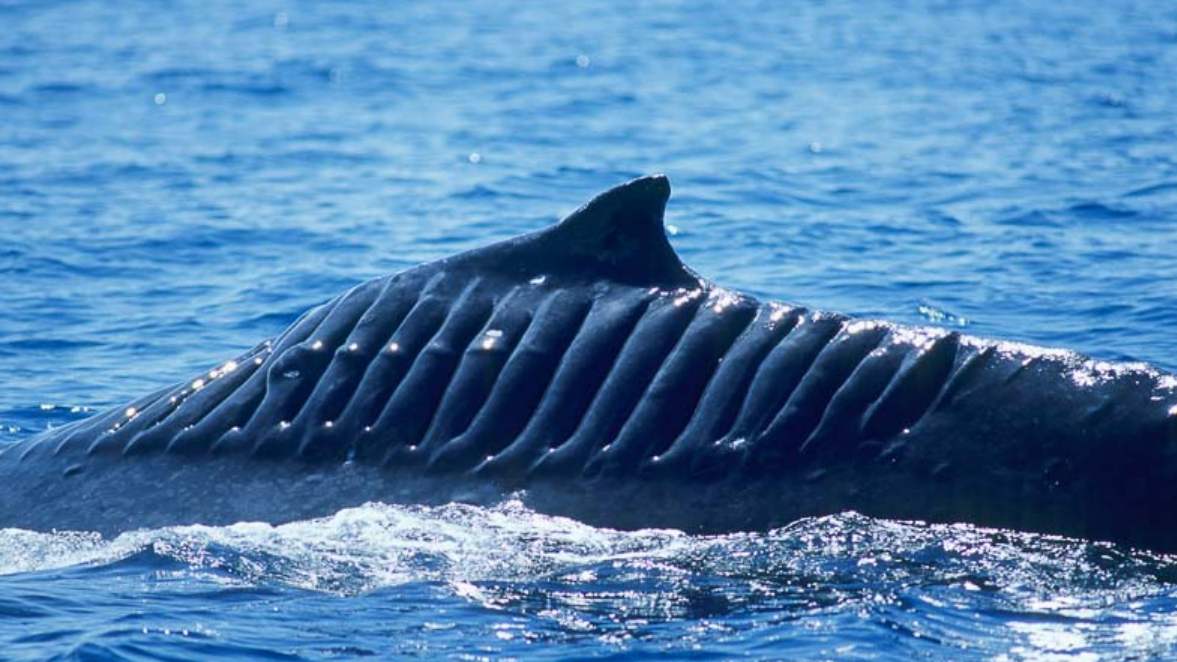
[[620, 235]]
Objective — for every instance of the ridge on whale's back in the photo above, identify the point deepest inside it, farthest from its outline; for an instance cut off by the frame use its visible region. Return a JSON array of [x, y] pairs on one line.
[[483, 338], [587, 355]]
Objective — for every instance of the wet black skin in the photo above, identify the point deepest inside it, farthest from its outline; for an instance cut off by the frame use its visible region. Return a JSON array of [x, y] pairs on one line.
[[585, 368]]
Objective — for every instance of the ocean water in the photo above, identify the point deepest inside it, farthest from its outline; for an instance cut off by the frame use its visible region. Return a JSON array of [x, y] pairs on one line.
[[179, 180]]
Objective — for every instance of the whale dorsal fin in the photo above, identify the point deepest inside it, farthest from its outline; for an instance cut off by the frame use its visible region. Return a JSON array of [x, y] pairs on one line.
[[620, 234]]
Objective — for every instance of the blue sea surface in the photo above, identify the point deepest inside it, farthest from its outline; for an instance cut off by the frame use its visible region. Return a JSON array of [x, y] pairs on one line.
[[181, 179]]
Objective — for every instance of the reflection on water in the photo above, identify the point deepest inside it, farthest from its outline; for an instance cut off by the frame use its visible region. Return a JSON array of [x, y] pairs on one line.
[[508, 578]]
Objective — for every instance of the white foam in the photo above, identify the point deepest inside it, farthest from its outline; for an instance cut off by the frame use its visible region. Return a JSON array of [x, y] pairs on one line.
[[357, 549]]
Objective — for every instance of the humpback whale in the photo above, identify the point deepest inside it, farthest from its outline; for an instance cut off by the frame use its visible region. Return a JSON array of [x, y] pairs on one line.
[[584, 368]]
